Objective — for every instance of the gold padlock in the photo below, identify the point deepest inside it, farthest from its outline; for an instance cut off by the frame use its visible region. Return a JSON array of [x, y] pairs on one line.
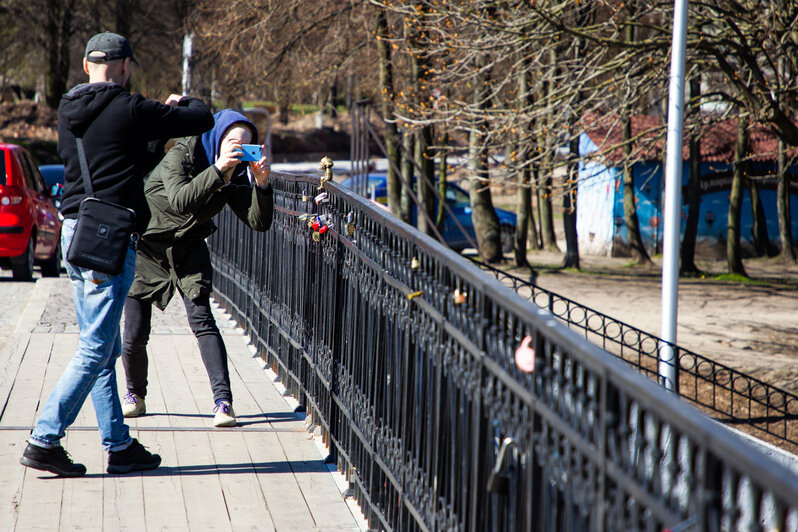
[[414, 264], [316, 236], [350, 229]]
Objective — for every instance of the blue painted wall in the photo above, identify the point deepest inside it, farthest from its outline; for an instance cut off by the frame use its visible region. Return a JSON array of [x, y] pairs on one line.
[[601, 192]]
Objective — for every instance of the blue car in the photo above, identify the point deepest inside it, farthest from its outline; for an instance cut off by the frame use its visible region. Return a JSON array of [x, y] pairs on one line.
[[374, 186], [53, 175]]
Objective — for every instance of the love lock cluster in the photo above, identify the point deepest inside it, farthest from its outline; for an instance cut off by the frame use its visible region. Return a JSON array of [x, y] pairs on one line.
[[319, 224]]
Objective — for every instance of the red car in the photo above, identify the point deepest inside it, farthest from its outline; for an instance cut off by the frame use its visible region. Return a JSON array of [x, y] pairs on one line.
[[30, 227]]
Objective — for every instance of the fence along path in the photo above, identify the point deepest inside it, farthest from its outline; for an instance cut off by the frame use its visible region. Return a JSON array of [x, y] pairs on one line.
[[731, 396], [266, 474], [403, 352]]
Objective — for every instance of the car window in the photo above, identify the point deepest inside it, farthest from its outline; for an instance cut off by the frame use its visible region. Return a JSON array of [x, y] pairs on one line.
[[455, 195], [41, 185], [32, 176], [26, 171], [2, 167]]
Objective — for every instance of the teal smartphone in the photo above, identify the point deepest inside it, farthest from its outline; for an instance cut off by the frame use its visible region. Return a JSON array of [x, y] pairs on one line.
[[252, 152]]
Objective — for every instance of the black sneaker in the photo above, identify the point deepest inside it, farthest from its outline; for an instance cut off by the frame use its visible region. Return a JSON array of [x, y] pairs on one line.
[[134, 458], [55, 460]]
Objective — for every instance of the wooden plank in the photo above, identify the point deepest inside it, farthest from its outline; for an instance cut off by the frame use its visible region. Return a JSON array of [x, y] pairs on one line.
[[246, 505], [12, 474], [82, 503], [277, 482], [196, 377], [10, 360], [174, 385], [123, 501], [40, 502], [202, 492], [32, 382], [259, 388], [321, 494], [163, 490]]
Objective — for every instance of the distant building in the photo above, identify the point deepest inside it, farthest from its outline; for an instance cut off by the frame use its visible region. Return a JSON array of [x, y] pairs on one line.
[[600, 220]]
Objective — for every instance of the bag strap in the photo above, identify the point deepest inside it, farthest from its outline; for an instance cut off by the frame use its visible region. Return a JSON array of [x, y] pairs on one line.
[[84, 167]]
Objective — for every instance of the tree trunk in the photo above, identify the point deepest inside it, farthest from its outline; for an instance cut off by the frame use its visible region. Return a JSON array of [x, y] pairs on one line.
[[544, 184], [760, 228], [486, 222], [523, 218], [394, 183], [442, 176], [733, 251], [569, 208], [406, 201], [693, 192], [534, 233], [58, 22], [636, 246], [123, 15], [426, 197], [783, 206], [523, 153], [545, 189]]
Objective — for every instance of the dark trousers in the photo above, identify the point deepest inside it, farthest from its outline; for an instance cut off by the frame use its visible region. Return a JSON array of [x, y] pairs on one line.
[[200, 318]]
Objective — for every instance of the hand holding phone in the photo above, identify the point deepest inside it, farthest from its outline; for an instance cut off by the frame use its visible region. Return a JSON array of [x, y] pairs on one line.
[[251, 152]]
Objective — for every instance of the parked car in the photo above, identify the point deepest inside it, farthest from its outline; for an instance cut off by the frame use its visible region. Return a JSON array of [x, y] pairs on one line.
[[30, 227], [53, 175], [375, 188]]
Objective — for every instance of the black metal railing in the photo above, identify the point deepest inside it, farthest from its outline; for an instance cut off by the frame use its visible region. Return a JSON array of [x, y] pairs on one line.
[[403, 352], [732, 396]]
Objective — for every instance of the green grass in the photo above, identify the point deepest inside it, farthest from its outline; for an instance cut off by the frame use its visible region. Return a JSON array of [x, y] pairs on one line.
[[737, 278]]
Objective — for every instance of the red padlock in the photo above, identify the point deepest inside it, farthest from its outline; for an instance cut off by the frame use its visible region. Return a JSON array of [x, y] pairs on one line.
[[316, 224], [323, 229]]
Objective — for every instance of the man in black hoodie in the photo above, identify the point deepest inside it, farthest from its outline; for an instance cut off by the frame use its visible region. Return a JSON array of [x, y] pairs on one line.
[[116, 127]]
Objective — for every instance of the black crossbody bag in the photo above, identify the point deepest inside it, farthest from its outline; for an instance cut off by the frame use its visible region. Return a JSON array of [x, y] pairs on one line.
[[103, 231]]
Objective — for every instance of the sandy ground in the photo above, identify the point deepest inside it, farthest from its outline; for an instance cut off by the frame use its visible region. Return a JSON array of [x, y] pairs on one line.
[[747, 326]]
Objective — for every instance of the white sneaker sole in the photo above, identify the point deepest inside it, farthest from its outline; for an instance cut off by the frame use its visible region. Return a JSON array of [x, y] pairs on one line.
[[229, 422]]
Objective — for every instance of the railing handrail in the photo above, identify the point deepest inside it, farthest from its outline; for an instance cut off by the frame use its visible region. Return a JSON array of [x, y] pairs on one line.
[[407, 358], [789, 397]]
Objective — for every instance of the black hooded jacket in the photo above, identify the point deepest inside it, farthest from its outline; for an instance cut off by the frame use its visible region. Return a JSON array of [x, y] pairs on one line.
[[116, 127]]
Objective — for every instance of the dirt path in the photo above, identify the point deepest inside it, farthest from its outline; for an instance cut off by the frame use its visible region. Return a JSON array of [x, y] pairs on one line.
[[750, 327]]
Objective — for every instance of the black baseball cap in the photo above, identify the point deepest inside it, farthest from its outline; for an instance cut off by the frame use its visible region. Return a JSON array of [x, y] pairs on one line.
[[108, 46]]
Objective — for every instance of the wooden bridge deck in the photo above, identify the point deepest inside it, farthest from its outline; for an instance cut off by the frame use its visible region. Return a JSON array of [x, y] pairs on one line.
[[266, 474]]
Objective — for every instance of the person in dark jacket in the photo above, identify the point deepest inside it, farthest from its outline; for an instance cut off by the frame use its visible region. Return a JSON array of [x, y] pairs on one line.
[[116, 127], [193, 182]]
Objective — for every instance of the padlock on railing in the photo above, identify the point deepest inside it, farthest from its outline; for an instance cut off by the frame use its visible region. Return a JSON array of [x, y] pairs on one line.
[[498, 481]]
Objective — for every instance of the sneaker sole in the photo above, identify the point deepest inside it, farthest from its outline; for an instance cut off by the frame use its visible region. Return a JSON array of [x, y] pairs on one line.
[[41, 466], [134, 414], [230, 423], [122, 469]]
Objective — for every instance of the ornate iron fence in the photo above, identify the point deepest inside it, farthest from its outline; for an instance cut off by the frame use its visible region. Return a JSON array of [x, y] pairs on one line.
[[405, 354], [734, 397]]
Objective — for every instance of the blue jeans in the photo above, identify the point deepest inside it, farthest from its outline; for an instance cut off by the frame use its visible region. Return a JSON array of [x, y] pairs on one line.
[[99, 301]]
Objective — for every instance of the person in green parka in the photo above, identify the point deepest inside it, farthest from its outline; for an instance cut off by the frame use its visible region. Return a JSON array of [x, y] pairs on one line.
[[193, 182]]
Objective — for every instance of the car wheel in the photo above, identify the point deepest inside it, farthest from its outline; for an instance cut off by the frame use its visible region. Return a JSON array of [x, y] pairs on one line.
[[22, 266], [52, 267], [507, 236]]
